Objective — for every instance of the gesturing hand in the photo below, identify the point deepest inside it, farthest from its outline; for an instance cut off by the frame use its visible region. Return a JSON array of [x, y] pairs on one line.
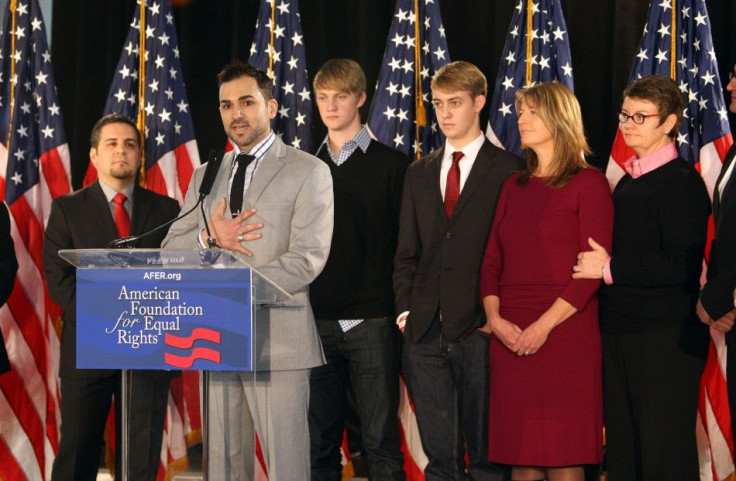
[[230, 233]]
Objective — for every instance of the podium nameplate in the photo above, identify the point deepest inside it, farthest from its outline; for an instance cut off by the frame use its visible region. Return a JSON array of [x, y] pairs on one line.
[[156, 318]]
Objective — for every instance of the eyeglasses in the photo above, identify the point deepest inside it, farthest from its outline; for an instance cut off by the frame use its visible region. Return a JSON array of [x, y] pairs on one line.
[[637, 118], [731, 76]]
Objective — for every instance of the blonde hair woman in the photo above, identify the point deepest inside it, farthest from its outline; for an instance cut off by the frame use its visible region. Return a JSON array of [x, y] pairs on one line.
[[546, 410]]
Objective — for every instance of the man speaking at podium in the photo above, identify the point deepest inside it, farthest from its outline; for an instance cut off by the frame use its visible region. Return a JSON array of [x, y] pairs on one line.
[[90, 218], [286, 196]]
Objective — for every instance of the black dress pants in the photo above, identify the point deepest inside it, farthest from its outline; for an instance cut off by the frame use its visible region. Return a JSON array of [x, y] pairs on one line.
[[85, 405], [651, 381]]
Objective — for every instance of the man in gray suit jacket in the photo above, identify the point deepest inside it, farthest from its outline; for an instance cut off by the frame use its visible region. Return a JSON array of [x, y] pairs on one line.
[[286, 197]]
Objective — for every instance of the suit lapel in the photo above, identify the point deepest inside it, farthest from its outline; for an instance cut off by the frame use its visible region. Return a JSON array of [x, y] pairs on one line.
[[434, 166], [140, 212], [267, 168], [721, 199], [99, 210], [220, 187]]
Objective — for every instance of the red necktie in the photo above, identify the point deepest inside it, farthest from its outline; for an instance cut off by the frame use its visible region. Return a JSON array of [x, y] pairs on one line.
[[122, 220], [452, 187]]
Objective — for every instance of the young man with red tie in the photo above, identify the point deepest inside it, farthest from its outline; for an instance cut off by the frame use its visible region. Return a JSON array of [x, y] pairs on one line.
[[447, 210]]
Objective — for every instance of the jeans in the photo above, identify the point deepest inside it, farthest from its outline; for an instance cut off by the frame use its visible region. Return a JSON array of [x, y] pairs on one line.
[[366, 358]]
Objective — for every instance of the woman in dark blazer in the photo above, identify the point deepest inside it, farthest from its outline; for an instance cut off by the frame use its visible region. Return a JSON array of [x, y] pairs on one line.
[[8, 268], [654, 347]]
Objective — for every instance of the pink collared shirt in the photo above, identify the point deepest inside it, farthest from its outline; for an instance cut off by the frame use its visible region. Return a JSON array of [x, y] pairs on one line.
[[636, 168]]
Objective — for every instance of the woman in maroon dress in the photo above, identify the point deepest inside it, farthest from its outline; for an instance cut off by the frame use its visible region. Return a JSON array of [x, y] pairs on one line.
[[545, 416]]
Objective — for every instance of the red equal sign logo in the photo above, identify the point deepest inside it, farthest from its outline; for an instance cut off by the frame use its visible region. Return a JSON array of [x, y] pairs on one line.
[[198, 334]]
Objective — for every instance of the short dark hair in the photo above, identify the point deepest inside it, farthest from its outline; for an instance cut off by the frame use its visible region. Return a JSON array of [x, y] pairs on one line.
[[662, 92], [238, 68], [94, 137]]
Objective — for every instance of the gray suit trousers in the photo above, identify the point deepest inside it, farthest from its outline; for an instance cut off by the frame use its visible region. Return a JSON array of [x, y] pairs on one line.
[[272, 404]]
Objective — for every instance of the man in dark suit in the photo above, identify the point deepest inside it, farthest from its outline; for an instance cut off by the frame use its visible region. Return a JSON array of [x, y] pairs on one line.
[[86, 219], [8, 268], [446, 215], [716, 305]]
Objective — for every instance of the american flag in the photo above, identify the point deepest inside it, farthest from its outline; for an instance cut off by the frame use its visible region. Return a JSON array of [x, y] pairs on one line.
[[401, 113], [34, 163], [684, 52], [170, 149], [278, 48], [704, 136], [537, 50], [170, 157]]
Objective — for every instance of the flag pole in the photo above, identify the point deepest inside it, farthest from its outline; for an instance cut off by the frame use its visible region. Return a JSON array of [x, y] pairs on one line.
[[673, 38], [13, 6], [529, 47], [141, 118], [272, 47], [420, 111]]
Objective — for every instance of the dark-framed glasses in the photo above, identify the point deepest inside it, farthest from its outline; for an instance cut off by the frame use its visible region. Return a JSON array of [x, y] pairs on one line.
[[637, 117], [731, 75]]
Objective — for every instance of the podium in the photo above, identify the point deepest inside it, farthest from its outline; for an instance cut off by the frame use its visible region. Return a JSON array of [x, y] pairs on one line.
[[168, 310]]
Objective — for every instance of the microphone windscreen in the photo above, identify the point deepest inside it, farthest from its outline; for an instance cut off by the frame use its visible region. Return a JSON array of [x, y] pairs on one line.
[[210, 172]]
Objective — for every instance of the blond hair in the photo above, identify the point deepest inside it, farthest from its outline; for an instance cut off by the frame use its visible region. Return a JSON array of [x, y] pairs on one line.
[[460, 76], [341, 74], [559, 109]]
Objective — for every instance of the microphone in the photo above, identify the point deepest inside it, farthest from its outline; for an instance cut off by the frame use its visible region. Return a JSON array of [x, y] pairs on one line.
[[208, 179], [210, 172]]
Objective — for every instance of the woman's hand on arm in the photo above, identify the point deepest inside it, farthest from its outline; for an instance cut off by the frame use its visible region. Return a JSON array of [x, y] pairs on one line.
[[590, 263]]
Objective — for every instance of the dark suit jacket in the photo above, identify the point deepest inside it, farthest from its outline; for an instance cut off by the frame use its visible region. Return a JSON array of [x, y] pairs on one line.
[[717, 295], [8, 268], [82, 220], [438, 260]]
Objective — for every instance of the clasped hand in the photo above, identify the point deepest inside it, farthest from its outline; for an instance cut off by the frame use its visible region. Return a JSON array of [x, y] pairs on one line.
[[521, 342], [724, 323]]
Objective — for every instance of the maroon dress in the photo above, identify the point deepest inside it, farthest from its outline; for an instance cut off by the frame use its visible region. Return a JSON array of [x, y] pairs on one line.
[[547, 409]]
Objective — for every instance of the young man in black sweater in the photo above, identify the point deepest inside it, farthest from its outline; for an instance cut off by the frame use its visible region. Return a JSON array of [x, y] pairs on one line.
[[353, 298]]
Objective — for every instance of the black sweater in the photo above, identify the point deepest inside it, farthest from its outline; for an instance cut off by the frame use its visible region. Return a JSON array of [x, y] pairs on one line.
[[659, 236], [356, 282]]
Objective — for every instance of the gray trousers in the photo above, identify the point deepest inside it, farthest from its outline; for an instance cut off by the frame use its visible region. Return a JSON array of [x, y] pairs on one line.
[[272, 404]]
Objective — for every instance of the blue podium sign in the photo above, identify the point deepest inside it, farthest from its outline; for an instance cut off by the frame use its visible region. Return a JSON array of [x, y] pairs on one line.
[[164, 318]]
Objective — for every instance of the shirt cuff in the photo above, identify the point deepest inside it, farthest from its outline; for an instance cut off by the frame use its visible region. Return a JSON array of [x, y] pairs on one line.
[[200, 241], [607, 276], [401, 320]]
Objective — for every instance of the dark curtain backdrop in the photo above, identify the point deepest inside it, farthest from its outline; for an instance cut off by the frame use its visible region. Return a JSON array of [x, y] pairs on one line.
[[88, 37]]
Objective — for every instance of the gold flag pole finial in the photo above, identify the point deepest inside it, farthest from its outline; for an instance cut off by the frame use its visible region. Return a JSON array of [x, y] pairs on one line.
[[13, 6], [529, 48], [420, 111], [141, 118]]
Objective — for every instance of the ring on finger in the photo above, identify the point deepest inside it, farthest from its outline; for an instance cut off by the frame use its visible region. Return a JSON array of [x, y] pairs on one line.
[[240, 238], [527, 353]]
